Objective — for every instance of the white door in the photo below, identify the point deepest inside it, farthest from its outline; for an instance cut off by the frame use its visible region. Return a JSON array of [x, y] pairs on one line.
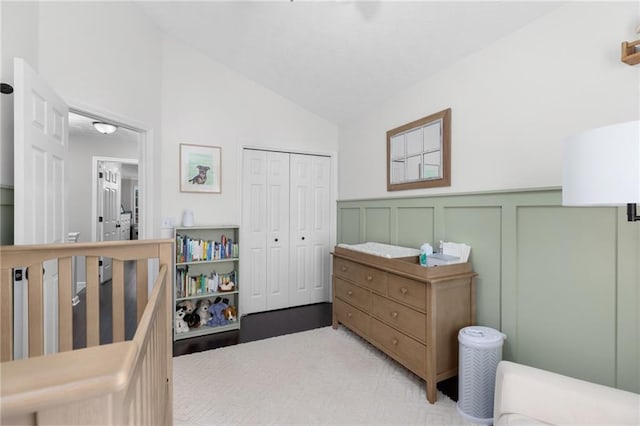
[[320, 222], [41, 170], [300, 267], [108, 211], [277, 230], [265, 206], [310, 234]]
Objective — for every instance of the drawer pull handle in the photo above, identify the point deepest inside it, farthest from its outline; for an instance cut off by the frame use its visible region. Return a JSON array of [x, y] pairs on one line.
[[349, 314], [350, 293], [394, 341], [369, 278], [403, 290], [344, 269], [394, 314]]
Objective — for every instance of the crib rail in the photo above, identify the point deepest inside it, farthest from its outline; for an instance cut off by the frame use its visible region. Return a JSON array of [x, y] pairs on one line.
[[125, 382]]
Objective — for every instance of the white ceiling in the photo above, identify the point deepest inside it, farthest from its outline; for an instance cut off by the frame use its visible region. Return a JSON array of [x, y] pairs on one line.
[[339, 58]]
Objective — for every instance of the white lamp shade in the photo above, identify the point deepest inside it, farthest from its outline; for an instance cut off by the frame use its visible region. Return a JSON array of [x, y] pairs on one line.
[[601, 167]]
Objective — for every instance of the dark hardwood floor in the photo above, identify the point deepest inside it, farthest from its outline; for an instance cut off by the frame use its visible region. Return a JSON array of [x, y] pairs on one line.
[[106, 307], [259, 326]]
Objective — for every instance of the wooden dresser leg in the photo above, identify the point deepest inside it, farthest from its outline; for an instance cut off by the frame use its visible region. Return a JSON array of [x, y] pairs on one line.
[[432, 392]]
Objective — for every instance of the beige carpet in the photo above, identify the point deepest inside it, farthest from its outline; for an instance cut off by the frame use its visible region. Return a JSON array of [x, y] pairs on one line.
[[322, 376]]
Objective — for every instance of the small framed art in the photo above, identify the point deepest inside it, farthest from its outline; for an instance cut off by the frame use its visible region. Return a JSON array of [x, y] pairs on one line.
[[200, 168]]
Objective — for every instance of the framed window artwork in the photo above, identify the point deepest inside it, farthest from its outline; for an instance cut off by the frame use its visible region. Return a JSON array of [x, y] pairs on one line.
[[200, 168], [419, 153]]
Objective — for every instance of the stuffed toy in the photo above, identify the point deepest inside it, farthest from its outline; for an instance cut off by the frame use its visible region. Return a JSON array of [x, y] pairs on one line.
[[217, 317], [188, 305], [230, 313], [193, 320], [181, 324], [203, 306]]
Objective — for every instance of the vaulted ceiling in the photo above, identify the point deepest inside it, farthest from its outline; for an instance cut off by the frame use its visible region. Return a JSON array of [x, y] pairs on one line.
[[338, 58]]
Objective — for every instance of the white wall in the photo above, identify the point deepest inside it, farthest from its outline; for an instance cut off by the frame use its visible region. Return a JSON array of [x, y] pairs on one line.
[[18, 37], [207, 104], [512, 104], [101, 55]]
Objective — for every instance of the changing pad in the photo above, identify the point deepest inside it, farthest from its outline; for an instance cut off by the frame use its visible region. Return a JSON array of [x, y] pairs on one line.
[[385, 250]]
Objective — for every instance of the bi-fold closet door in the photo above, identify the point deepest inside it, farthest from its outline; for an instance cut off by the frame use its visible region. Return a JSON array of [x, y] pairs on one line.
[[285, 228]]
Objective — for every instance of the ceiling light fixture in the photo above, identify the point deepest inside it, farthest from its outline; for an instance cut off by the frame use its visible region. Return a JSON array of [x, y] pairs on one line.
[[104, 128]]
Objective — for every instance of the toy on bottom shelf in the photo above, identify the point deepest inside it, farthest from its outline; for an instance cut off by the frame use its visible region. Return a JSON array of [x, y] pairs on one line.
[[181, 324], [203, 311], [188, 306], [230, 313], [193, 320], [217, 312], [191, 316]]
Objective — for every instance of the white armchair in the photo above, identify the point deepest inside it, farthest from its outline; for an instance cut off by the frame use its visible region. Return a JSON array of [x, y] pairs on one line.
[[526, 395]]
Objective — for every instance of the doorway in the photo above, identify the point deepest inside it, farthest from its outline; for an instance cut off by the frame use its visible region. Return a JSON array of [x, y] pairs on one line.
[[115, 156]]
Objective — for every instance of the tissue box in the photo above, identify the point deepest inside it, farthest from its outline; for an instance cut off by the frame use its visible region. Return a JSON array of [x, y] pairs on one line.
[[441, 259]]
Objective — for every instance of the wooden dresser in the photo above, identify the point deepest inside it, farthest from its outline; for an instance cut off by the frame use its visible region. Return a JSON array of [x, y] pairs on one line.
[[411, 313]]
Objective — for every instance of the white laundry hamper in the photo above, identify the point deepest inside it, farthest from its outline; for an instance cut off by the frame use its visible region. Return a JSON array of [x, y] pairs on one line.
[[479, 355]]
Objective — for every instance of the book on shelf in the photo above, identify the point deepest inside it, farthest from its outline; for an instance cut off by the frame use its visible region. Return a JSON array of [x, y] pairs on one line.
[[193, 250], [201, 284]]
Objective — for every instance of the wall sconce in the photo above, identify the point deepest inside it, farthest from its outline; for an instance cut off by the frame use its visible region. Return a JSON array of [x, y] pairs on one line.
[[104, 128], [601, 167]]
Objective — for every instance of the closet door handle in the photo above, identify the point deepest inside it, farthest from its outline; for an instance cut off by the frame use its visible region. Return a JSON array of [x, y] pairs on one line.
[[276, 240], [303, 238]]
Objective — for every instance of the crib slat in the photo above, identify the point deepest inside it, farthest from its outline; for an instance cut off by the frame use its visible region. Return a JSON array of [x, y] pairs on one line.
[[141, 286], [6, 315], [36, 310], [117, 300], [93, 301], [65, 310]]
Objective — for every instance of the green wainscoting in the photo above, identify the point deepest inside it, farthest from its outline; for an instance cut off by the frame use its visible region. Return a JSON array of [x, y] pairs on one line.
[[563, 283], [6, 215]]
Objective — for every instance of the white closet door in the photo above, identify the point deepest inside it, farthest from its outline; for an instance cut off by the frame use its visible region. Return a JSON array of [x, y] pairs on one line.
[[254, 233], [310, 210], [320, 233], [265, 242], [300, 208], [277, 230]]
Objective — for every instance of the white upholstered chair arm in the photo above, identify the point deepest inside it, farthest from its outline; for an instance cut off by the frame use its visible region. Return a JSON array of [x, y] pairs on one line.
[[524, 392]]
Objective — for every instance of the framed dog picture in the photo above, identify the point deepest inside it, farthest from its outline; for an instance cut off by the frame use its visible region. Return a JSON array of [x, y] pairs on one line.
[[200, 168]]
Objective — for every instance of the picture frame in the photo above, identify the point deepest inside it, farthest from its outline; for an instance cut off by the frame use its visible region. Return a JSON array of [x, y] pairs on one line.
[[419, 153], [200, 168]]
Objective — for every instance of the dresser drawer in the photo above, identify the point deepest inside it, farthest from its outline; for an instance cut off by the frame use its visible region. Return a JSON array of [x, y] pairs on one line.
[[406, 319], [413, 293], [409, 352], [374, 279], [357, 296], [353, 318]]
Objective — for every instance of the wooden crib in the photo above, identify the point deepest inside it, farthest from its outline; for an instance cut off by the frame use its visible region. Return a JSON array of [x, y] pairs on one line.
[[124, 382]]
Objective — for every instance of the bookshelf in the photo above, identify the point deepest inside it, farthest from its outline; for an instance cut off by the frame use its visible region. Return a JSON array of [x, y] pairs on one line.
[[206, 280]]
